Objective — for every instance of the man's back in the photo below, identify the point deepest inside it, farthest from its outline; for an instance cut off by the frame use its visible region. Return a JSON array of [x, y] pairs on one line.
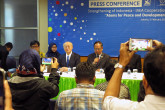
[[124, 90], [151, 102], [84, 97]]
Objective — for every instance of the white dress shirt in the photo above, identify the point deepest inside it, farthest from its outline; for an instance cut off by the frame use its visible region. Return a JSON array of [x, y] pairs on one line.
[[151, 102], [100, 56], [68, 55]]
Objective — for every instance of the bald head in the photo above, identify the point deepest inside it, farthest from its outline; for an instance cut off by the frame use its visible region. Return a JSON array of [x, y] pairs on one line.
[[68, 46]]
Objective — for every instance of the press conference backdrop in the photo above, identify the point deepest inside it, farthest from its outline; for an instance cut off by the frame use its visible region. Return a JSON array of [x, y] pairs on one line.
[[112, 22]]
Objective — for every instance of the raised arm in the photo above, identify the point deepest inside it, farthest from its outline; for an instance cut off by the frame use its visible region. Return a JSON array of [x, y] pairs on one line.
[[113, 87]]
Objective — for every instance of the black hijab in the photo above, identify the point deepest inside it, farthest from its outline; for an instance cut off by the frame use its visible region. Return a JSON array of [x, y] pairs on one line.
[[50, 53]]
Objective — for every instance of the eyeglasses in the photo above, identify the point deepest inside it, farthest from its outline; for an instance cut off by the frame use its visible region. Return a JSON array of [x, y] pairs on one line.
[[97, 49], [34, 46]]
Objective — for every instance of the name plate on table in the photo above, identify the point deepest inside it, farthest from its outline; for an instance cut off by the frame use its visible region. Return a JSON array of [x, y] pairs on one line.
[[136, 76], [72, 74], [46, 74], [68, 74]]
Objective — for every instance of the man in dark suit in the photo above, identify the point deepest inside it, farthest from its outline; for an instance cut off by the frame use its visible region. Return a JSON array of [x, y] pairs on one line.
[[69, 59], [98, 58], [135, 63]]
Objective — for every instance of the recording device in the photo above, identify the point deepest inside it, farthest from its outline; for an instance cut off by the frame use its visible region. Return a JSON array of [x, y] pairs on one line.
[[139, 44], [47, 61], [2, 93]]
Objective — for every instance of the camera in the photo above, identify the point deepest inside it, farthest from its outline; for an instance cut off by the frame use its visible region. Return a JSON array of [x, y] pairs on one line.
[[47, 61]]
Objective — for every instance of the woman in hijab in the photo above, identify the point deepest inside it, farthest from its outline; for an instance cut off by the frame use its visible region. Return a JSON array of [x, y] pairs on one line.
[[29, 90], [52, 51]]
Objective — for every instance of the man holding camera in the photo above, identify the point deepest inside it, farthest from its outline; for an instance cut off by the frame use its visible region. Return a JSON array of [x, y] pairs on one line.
[[153, 81]]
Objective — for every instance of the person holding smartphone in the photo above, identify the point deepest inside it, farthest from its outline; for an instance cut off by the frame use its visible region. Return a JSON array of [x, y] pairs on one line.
[[135, 63], [153, 81], [30, 91]]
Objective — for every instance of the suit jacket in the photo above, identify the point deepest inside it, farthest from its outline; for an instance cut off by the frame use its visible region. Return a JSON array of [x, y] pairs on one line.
[[3, 56], [73, 62], [103, 62], [135, 63]]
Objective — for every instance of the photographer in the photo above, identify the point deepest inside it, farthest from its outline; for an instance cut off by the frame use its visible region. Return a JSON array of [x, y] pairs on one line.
[[29, 90], [153, 81]]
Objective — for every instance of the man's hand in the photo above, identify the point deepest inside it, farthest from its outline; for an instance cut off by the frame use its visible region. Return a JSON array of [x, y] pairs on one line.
[[96, 60], [98, 70], [125, 54], [55, 64], [156, 43], [8, 97], [113, 88], [64, 69], [42, 68]]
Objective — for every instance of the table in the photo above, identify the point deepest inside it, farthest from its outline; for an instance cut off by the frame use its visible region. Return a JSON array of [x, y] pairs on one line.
[[68, 82]]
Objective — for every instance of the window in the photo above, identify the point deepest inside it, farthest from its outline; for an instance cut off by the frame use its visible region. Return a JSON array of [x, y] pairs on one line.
[[18, 24]]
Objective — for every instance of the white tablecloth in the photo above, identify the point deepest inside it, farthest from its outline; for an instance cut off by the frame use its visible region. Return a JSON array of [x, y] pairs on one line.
[[136, 76]]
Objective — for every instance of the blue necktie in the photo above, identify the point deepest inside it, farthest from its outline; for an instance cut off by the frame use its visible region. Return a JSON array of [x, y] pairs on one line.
[[67, 61]]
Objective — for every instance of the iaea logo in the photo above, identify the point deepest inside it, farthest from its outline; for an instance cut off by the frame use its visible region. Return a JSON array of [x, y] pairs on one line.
[[147, 3], [162, 1]]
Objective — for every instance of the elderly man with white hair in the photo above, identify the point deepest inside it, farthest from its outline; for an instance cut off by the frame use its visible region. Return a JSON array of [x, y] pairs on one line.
[[69, 59]]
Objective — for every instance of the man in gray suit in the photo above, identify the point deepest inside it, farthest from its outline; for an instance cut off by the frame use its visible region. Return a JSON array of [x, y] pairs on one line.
[[98, 58]]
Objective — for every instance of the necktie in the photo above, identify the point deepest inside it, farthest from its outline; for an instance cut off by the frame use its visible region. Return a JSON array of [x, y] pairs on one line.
[[67, 61]]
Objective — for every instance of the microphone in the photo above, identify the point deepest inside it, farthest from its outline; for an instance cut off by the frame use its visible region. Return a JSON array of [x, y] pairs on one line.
[[97, 56], [101, 56]]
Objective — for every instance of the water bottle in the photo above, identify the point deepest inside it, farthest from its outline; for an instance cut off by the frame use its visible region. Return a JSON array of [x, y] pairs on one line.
[[69, 69], [101, 70], [129, 71]]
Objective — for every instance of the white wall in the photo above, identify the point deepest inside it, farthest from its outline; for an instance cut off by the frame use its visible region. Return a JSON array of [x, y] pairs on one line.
[[43, 25]]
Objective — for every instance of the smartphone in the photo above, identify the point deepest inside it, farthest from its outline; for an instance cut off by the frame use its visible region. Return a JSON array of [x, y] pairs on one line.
[[2, 97], [47, 61], [139, 44]]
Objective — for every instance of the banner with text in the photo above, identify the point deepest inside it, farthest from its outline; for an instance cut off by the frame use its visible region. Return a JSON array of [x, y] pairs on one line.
[[112, 22], [114, 3]]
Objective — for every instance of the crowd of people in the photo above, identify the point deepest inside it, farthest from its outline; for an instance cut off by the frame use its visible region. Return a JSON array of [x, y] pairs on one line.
[[71, 59], [30, 91]]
